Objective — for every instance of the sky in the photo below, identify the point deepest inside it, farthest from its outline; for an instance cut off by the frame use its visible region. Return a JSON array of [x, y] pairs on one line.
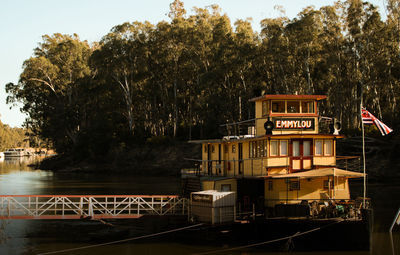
[[23, 22]]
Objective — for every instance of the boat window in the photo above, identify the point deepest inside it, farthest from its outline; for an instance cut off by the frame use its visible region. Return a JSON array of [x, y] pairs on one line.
[[340, 183], [278, 106], [225, 187], [258, 149], [283, 148], [265, 148], [327, 184], [328, 147], [270, 185], [318, 147], [306, 148], [294, 185], [205, 148], [307, 107], [212, 148], [296, 148], [274, 148], [265, 108], [293, 106]]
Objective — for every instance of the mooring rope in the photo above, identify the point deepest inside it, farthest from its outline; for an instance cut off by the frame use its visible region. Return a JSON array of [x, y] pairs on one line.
[[121, 241], [267, 242]]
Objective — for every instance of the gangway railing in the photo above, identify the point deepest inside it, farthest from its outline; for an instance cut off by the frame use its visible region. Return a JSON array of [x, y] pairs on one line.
[[89, 206]]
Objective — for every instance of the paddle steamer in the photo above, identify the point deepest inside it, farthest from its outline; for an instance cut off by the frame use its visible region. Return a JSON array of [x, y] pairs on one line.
[[283, 167]]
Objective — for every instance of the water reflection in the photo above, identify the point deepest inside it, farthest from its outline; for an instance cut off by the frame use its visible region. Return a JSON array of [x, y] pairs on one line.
[[36, 236], [11, 164]]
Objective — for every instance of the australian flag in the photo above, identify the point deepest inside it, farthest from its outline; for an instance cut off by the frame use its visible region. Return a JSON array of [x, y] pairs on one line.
[[369, 119]]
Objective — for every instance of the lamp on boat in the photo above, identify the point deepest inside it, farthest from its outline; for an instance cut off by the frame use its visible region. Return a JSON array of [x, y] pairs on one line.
[[268, 125]]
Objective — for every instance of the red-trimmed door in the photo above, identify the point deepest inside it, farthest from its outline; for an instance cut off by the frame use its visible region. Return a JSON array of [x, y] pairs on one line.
[[301, 154]]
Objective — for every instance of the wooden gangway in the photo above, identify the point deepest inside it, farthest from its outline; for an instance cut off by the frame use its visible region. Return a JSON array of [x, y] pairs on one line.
[[89, 206]]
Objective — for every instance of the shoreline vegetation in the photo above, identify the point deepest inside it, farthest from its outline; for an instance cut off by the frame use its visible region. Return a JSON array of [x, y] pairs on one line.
[[169, 158], [129, 101], [141, 160]]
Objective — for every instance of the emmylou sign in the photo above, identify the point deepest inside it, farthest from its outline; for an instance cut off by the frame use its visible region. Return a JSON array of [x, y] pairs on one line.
[[294, 123]]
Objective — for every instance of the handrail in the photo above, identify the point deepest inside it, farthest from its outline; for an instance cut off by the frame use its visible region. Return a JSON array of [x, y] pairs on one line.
[[89, 206]]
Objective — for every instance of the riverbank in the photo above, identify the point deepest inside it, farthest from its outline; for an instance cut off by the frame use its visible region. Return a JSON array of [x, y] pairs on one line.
[[169, 158], [382, 159], [146, 159]]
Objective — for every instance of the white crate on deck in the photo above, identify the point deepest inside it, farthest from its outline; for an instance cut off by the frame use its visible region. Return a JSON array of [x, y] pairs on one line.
[[211, 206]]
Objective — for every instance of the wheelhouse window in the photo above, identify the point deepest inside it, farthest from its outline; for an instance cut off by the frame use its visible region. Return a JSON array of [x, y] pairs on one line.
[[205, 148], [307, 107], [293, 106], [278, 106]]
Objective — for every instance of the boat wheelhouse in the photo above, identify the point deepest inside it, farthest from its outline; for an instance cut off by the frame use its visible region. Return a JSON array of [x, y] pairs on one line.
[[285, 155]]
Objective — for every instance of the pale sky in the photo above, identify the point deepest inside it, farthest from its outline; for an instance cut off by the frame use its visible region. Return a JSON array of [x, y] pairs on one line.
[[23, 22]]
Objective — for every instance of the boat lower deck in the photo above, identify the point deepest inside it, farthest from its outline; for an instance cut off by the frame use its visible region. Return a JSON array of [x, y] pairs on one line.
[[283, 234]]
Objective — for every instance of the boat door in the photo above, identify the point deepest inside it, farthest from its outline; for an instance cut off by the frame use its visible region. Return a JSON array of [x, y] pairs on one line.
[[301, 154], [240, 158]]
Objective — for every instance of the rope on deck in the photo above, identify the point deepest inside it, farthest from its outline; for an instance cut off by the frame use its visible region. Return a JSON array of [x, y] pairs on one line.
[[267, 242], [121, 241]]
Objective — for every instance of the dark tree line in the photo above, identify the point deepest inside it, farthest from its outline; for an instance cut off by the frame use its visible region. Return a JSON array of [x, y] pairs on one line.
[[181, 79]]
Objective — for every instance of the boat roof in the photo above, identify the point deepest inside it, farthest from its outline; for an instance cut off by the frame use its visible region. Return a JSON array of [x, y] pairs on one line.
[[321, 172], [289, 97]]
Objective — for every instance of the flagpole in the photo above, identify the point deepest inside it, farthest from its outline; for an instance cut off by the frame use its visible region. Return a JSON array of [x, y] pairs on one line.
[[363, 143]]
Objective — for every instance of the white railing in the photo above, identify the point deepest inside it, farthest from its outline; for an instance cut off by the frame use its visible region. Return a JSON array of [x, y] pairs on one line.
[[89, 206]]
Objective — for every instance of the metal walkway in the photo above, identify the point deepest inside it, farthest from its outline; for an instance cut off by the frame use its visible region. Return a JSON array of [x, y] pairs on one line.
[[89, 206]]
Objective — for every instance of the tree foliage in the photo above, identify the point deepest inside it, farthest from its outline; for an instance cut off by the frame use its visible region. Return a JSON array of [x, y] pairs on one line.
[[184, 77]]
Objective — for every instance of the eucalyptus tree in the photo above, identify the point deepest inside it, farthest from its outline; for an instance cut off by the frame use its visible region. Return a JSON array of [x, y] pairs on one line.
[[121, 61], [245, 45], [48, 88], [331, 71], [274, 55]]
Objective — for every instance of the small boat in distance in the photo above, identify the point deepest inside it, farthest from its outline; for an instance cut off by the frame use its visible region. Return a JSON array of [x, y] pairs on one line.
[[16, 152]]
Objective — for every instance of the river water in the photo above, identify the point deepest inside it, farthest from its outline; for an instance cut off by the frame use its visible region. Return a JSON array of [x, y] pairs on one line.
[[40, 236]]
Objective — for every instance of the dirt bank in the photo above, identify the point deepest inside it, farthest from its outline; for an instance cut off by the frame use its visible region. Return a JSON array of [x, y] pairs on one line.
[[147, 159]]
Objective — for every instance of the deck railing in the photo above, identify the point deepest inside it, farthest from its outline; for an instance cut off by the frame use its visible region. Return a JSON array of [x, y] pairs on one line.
[[84, 206], [351, 163], [254, 166]]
